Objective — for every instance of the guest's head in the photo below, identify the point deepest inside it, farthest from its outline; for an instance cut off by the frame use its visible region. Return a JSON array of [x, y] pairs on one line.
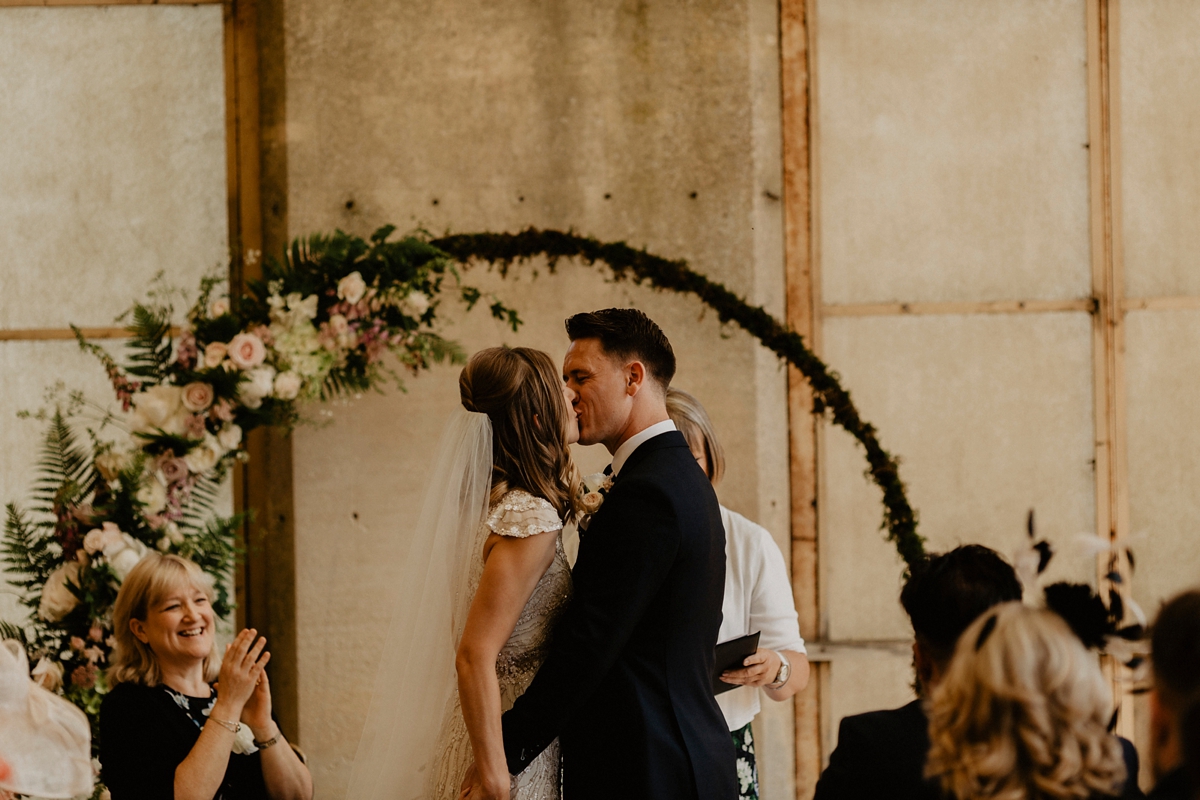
[[1189, 729], [944, 594], [1022, 712], [532, 421], [619, 365], [163, 619], [1175, 655], [692, 421]]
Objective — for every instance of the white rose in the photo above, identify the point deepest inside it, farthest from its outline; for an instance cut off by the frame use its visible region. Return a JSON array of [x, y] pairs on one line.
[[205, 455], [287, 385], [152, 495], [159, 408], [124, 555], [230, 436], [338, 324], [259, 383], [164, 544], [591, 502], [111, 463], [173, 533], [218, 307], [352, 287], [302, 307], [596, 482], [48, 674], [247, 351], [414, 304], [57, 600], [97, 538]]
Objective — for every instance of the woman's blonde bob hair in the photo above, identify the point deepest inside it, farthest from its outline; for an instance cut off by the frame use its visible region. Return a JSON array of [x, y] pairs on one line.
[[692, 421], [154, 578], [1022, 713]]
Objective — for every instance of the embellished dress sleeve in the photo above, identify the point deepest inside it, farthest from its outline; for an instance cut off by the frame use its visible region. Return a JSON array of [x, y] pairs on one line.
[[520, 514]]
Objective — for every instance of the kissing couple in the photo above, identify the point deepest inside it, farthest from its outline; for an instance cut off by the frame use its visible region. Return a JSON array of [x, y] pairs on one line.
[[506, 674]]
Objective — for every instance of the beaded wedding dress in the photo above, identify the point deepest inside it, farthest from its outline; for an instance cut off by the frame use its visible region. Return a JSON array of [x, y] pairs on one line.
[[518, 514]]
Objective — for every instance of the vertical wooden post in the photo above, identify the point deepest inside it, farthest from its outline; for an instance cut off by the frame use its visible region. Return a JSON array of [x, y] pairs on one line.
[[266, 575], [794, 20], [1108, 291]]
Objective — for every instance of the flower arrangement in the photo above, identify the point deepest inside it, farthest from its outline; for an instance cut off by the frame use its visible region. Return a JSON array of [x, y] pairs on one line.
[[318, 326]]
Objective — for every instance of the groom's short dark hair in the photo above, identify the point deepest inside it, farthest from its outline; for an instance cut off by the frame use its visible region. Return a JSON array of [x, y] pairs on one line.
[[627, 333], [945, 593]]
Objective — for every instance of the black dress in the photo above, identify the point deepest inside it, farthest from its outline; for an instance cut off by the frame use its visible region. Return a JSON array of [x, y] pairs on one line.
[[145, 732]]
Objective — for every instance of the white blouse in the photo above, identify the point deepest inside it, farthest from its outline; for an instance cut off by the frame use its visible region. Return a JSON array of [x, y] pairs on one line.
[[758, 597]]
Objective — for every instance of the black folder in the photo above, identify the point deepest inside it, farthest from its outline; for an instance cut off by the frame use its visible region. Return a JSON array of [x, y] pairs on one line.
[[730, 655]]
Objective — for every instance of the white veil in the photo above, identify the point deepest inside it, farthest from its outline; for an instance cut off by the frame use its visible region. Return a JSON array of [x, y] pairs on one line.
[[416, 676]]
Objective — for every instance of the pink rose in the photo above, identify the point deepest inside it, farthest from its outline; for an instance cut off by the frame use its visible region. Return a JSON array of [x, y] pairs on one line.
[[173, 469], [84, 677], [197, 396], [247, 351], [77, 643], [214, 354]]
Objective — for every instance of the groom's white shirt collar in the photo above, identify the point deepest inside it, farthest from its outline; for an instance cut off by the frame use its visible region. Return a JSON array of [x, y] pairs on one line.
[[633, 442]]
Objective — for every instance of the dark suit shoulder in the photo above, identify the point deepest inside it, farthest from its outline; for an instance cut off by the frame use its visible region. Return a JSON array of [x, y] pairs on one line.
[[879, 754]]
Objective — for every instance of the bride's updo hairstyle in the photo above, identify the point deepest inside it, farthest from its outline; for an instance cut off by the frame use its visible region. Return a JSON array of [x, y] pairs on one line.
[[520, 390]]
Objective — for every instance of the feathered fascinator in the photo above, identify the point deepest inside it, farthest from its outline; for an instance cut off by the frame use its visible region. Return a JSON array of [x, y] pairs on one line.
[[1114, 625]]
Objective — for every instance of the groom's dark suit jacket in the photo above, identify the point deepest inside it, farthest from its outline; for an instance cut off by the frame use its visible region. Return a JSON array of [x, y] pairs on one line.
[[627, 684]]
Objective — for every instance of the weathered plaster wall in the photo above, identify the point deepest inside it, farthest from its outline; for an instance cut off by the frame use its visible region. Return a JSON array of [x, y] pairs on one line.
[[112, 170], [656, 123]]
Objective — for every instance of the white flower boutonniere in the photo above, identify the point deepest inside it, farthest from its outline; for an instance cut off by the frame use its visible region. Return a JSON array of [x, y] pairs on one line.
[[592, 493]]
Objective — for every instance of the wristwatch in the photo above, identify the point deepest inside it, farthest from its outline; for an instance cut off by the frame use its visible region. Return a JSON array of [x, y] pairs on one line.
[[785, 672]]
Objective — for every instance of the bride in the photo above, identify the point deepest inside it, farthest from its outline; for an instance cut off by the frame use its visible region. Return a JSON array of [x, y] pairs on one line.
[[482, 585]]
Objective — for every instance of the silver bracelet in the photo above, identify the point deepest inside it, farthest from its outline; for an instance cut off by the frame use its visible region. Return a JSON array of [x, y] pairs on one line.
[[269, 742], [232, 727]]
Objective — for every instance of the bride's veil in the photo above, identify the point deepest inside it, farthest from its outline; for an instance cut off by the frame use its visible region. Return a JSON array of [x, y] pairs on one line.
[[416, 676]]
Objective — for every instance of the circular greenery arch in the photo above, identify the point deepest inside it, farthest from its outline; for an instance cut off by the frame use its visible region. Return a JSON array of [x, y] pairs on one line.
[[628, 263]]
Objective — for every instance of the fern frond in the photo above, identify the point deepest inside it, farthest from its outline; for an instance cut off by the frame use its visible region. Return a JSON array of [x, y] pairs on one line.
[[27, 553], [64, 471], [150, 342]]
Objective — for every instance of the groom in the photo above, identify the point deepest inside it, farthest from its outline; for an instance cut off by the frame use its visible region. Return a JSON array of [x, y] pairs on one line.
[[627, 684]]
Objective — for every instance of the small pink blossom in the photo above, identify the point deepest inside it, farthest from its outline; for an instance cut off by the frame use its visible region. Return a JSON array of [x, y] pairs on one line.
[[77, 643], [194, 426], [96, 633], [94, 654], [185, 355], [223, 410], [84, 677]]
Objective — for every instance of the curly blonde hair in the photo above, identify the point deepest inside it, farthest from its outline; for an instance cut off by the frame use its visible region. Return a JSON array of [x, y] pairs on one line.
[[154, 577], [521, 391], [1022, 713]]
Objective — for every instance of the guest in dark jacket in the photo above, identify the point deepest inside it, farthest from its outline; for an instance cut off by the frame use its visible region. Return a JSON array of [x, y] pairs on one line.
[[166, 733], [1175, 698], [1022, 713], [882, 754]]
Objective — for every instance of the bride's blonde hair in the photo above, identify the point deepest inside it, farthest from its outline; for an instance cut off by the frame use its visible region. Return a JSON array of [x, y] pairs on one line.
[[520, 390], [1022, 713]]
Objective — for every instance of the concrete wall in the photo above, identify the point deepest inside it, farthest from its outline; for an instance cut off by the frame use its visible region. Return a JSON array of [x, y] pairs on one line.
[[656, 123], [112, 170]]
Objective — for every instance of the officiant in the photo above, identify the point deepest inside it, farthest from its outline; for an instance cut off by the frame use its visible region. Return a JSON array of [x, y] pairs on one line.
[[758, 597]]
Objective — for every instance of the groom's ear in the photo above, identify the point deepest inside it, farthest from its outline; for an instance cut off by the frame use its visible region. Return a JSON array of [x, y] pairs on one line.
[[635, 377]]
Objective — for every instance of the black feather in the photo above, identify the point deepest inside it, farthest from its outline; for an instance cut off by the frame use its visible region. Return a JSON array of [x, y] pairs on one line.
[[1082, 610], [1045, 553]]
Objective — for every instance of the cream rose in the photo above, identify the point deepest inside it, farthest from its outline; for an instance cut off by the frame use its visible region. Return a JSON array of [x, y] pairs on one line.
[[352, 287], [96, 539], [111, 462], [302, 307], [597, 482], [205, 455], [338, 324], [152, 495], [259, 383], [414, 304], [591, 502], [57, 600], [247, 351], [124, 554], [287, 385], [218, 307], [214, 354], [230, 436], [48, 674], [197, 397], [159, 408]]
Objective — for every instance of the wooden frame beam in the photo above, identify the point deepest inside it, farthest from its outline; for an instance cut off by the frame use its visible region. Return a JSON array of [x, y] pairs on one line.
[[802, 316]]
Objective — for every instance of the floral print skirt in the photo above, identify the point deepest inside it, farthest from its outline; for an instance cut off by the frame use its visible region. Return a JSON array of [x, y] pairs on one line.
[[747, 768]]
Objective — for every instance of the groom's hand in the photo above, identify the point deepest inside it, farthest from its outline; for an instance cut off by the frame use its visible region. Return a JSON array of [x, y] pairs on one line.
[[759, 669]]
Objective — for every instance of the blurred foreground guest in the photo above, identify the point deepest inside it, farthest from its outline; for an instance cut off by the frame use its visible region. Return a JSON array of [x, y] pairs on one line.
[[46, 741], [758, 597], [882, 753], [166, 731], [1022, 713], [1175, 655]]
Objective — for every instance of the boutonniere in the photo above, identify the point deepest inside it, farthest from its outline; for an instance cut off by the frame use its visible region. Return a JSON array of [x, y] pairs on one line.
[[592, 492]]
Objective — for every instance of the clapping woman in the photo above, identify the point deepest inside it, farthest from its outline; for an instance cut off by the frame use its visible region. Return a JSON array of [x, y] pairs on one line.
[[167, 730], [758, 597]]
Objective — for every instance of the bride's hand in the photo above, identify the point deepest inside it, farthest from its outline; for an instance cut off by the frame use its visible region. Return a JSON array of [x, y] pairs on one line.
[[476, 787]]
